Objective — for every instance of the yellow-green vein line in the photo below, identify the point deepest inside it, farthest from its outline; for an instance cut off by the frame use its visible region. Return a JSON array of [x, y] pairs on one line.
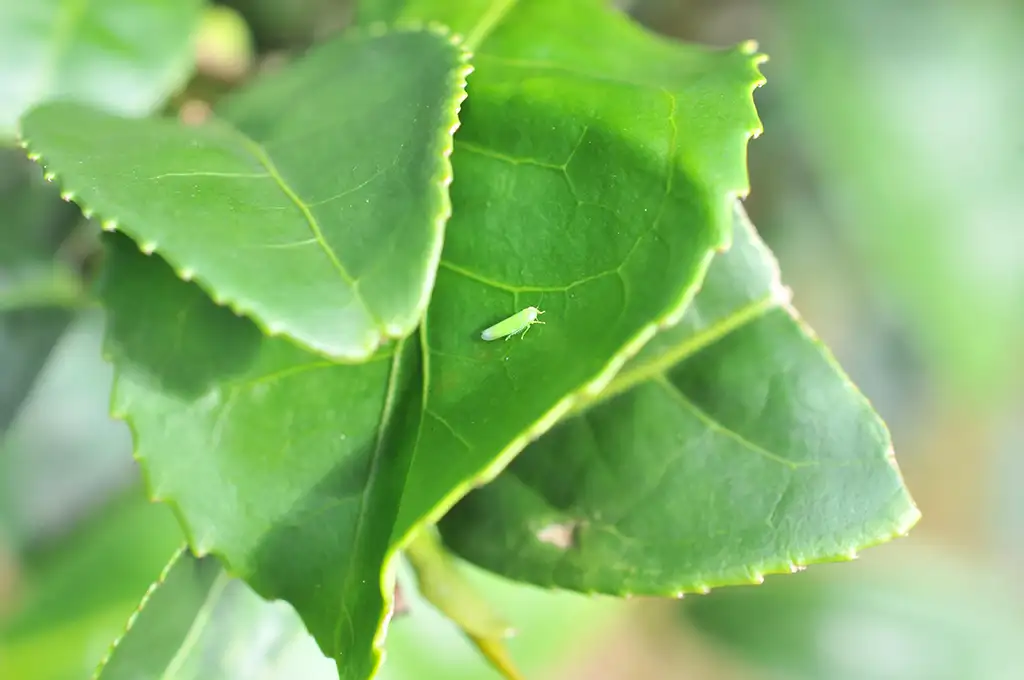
[[628, 379], [265, 160], [195, 631], [716, 426], [499, 285], [511, 160], [494, 14], [371, 479]]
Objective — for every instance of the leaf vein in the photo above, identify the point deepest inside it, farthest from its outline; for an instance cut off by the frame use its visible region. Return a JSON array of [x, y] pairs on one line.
[[265, 160], [509, 288], [371, 479], [511, 160], [716, 426]]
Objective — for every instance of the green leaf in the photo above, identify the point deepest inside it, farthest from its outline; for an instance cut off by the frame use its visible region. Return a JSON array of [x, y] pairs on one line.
[[545, 66], [588, 194], [592, 193], [315, 202], [197, 623], [122, 55], [170, 618], [271, 456], [916, 615], [77, 596], [731, 448]]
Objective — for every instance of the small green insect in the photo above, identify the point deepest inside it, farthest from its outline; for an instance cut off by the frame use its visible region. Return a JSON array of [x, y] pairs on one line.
[[520, 321]]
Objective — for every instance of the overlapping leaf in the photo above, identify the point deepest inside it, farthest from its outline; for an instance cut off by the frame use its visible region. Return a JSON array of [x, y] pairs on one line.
[[586, 188], [314, 202], [169, 611], [197, 623], [123, 55], [273, 457], [54, 633], [593, 188], [731, 447]]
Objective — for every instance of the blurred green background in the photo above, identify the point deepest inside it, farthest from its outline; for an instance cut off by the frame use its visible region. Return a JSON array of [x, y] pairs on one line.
[[889, 182]]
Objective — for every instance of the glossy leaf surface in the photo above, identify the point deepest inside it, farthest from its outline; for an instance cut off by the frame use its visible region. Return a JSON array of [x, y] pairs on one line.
[[315, 210], [595, 198], [731, 447]]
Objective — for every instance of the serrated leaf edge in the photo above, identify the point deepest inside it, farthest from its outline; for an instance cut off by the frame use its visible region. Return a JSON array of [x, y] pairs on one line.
[[543, 424], [780, 298], [138, 610], [588, 390], [756, 574], [442, 182], [202, 617]]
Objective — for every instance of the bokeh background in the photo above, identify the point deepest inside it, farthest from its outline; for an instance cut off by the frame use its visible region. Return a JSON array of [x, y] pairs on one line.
[[889, 182]]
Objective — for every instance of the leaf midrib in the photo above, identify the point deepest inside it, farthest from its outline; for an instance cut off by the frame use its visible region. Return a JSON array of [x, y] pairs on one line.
[[627, 380], [263, 158], [371, 479], [487, 23]]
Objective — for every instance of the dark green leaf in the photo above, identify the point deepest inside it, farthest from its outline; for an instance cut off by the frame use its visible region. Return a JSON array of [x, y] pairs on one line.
[[732, 448], [123, 55], [590, 192], [597, 193], [315, 203], [272, 456]]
